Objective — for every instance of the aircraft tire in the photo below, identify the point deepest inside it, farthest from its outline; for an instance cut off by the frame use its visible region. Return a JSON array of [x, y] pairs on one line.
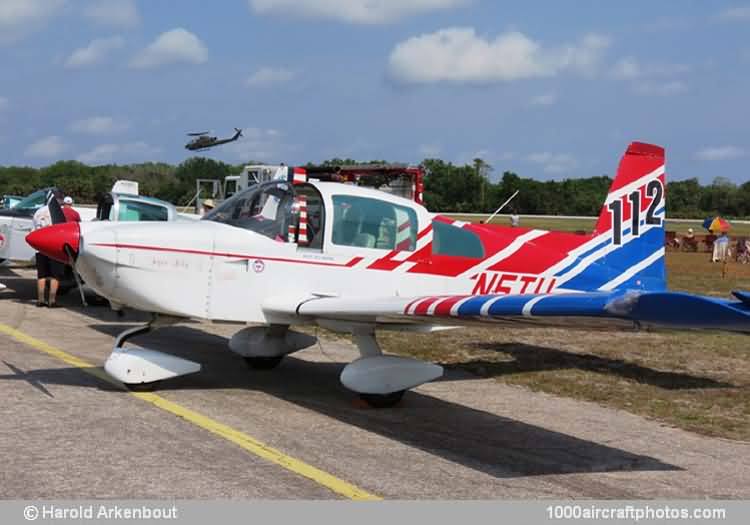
[[383, 400], [142, 387], [263, 363]]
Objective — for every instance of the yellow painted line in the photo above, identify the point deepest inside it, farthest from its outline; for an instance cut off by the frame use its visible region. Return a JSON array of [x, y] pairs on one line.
[[241, 439]]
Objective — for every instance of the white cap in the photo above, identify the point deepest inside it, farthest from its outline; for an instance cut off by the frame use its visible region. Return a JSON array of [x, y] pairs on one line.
[[690, 230], [68, 200]]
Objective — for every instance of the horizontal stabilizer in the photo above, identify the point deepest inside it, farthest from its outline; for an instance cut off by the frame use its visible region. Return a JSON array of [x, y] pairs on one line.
[[683, 310]]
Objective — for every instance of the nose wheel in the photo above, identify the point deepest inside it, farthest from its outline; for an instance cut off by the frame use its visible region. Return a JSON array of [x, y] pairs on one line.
[[142, 387], [141, 369]]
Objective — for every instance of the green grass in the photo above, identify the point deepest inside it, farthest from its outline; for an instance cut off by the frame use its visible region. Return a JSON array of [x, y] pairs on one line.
[[694, 272], [698, 381]]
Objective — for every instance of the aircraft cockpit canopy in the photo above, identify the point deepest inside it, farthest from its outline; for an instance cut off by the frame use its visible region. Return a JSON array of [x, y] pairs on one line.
[[265, 208]]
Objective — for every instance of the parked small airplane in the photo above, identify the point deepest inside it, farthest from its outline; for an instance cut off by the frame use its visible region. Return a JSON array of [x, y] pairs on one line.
[[121, 203], [204, 141], [355, 260]]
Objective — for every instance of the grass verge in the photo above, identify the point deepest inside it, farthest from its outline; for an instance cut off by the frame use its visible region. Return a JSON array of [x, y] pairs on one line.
[[698, 381]]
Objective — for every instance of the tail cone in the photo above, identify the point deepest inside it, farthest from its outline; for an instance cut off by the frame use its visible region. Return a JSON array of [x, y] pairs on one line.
[[51, 240]]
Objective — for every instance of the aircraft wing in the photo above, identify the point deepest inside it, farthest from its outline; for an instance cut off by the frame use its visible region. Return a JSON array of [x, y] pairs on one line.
[[662, 308]]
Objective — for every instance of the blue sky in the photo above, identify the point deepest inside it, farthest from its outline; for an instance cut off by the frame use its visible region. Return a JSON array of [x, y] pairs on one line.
[[546, 89]]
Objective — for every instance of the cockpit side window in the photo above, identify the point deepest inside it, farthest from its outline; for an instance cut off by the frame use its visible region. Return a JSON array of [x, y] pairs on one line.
[[266, 209], [373, 223], [132, 210]]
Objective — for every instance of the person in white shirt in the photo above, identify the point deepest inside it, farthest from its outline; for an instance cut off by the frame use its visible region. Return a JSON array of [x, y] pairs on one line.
[[46, 268]]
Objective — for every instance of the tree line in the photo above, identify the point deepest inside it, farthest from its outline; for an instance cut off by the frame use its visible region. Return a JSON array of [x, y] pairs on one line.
[[453, 188]]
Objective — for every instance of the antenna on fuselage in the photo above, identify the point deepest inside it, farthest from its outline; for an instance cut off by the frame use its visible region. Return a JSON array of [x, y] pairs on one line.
[[503, 205]]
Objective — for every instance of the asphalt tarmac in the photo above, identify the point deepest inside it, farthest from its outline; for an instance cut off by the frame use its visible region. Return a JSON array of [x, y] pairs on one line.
[[296, 433]]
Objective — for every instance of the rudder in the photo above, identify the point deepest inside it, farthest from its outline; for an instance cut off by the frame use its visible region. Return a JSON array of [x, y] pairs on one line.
[[632, 217]]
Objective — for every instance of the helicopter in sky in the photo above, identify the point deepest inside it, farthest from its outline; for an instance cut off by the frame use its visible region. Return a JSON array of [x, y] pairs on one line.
[[203, 141]]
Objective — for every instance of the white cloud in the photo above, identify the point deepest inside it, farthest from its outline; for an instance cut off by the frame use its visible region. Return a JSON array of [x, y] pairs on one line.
[[18, 18], [627, 69], [270, 76], [94, 53], [4, 104], [630, 68], [660, 89], [651, 79], [109, 153], [546, 99], [98, 126], [47, 147], [119, 13], [459, 55], [172, 47], [353, 11], [553, 163], [721, 153], [735, 14]]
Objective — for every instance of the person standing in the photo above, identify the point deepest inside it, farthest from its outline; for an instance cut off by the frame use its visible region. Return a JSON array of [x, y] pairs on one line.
[[46, 268], [71, 215], [721, 248], [207, 206], [515, 220]]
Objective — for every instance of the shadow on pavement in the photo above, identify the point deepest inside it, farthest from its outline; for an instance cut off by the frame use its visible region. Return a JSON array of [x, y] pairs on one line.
[[531, 358], [499, 446]]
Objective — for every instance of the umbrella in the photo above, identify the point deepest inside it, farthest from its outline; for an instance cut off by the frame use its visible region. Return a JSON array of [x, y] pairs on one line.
[[717, 225]]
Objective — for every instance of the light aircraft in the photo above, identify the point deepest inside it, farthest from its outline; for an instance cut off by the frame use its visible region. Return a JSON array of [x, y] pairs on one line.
[[122, 203], [203, 141], [357, 260], [9, 201]]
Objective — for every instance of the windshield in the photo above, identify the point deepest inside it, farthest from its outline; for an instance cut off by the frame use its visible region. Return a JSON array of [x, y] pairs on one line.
[[264, 208], [34, 201]]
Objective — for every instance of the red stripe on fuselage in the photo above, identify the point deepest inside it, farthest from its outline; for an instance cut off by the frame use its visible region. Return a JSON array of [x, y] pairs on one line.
[[349, 264], [539, 255]]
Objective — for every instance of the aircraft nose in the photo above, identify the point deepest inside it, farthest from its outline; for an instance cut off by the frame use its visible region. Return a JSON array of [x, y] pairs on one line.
[[51, 240]]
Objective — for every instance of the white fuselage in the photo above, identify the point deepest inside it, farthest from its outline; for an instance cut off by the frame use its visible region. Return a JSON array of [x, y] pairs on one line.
[[214, 271]]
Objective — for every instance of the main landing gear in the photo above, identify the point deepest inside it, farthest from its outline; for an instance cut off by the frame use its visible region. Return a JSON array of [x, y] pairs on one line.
[[383, 400], [264, 347], [141, 369], [381, 380]]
